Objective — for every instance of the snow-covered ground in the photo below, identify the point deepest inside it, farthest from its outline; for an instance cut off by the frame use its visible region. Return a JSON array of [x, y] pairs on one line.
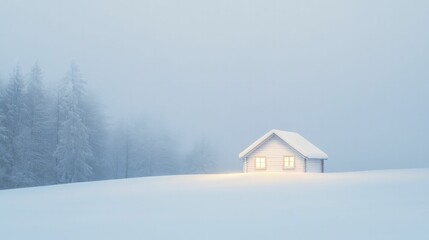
[[390, 204]]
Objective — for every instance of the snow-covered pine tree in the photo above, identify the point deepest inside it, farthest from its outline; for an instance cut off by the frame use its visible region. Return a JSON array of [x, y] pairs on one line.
[[73, 151], [40, 144], [5, 157], [94, 119], [15, 122]]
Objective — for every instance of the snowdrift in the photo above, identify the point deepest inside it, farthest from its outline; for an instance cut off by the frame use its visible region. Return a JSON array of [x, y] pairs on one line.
[[390, 204]]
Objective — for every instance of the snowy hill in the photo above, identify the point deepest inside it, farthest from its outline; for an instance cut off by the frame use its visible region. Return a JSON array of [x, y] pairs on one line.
[[390, 204]]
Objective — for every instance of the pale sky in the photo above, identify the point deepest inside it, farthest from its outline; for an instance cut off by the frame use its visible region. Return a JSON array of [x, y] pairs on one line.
[[350, 76]]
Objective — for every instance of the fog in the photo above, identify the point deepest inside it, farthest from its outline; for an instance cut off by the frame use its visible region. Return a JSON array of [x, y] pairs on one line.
[[350, 76]]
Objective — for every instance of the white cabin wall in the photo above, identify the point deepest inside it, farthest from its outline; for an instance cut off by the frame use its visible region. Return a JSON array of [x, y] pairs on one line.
[[274, 149]]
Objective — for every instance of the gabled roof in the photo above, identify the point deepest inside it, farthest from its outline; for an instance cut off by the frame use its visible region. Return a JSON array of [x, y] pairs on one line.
[[296, 141]]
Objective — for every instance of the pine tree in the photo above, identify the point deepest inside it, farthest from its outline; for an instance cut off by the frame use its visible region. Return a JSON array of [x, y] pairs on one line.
[[39, 155], [15, 120], [5, 157], [73, 151], [93, 118]]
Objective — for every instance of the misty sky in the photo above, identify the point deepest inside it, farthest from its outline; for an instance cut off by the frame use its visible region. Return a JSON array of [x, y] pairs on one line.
[[350, 76]]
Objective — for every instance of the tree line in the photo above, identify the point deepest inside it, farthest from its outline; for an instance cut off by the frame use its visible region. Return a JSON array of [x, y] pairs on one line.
[[62, 136]]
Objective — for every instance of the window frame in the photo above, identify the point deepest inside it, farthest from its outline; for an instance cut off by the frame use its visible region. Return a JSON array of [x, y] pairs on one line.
[[265, 163], [289, 161]]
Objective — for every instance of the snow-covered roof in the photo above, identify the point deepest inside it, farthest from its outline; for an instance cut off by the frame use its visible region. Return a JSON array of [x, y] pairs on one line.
[[296, 141]]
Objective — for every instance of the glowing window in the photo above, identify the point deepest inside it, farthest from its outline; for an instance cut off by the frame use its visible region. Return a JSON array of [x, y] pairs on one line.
[[261, 163], [289, 162]]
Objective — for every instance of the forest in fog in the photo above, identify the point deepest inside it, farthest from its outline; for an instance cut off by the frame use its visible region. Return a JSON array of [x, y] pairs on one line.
[[61, 136]]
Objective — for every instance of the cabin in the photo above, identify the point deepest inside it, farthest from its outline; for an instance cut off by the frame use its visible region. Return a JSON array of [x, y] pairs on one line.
[[281, 151]]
